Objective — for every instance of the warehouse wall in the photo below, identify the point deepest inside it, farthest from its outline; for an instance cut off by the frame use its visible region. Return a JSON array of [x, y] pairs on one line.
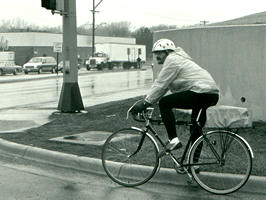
[[235, 56]]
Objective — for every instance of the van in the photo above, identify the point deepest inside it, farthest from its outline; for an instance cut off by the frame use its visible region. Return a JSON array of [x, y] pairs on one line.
[[40, 64]]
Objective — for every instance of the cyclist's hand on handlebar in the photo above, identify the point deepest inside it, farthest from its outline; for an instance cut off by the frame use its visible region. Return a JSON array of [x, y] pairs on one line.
[[139, 106]]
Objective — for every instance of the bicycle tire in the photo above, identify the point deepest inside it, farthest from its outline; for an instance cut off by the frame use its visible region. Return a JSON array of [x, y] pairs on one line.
[[234, 169], [123, 169]]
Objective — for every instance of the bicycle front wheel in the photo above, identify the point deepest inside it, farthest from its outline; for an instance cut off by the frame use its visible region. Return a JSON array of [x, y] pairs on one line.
[[221, 162], [130, 157]]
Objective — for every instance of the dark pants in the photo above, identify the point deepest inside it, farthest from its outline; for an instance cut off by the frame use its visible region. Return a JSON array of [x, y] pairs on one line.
[[186, 100]]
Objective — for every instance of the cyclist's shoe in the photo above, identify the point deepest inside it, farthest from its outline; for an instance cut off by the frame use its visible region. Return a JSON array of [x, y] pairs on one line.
[[174, 144]]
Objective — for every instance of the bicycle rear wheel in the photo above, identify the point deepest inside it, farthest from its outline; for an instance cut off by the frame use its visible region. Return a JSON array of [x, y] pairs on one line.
[[224, 175], [130, 157]]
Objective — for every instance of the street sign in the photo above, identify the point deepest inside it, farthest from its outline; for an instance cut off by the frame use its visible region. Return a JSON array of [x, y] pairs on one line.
[[58, 47]]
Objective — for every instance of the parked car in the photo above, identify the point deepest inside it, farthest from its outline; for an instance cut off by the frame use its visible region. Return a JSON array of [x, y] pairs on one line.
[[10, 69], [40, 64]]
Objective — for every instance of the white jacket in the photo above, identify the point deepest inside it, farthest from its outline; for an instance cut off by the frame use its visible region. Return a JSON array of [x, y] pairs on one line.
[[180, 73]]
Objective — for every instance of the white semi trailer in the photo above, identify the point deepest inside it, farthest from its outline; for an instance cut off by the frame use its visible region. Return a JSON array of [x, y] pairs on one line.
[[109, 55]]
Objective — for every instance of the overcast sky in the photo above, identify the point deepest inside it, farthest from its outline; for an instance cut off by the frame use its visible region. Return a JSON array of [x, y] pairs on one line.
[[138, 12]]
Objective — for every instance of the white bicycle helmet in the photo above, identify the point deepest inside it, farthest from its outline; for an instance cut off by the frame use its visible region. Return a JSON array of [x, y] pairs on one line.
[[163, 45]]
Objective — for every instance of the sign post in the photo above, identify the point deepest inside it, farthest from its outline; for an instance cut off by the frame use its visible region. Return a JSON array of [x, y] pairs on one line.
[[57, 50]]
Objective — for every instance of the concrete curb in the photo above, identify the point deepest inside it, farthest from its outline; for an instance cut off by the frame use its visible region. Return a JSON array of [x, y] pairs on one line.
[[51, 157], [255, 184], [72, 161]]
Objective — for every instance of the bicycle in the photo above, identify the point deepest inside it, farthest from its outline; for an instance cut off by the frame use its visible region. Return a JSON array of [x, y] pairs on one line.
[[220, 161]]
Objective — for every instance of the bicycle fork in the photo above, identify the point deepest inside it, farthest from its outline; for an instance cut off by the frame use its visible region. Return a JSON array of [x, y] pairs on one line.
[[139, 146]]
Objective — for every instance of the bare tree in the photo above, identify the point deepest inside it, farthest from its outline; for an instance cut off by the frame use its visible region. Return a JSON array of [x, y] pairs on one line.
[[119, 29], [20, 25], [114, 29], [144, 36]]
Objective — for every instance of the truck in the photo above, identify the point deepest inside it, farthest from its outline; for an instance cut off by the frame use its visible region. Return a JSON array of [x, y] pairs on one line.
[[7, 63], [109, 55]]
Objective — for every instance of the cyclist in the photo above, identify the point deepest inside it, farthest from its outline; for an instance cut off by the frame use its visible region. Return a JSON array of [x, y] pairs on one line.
[[191, 86]]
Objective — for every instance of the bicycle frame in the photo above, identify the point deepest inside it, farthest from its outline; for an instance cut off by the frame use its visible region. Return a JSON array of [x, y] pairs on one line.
[[149, 128]]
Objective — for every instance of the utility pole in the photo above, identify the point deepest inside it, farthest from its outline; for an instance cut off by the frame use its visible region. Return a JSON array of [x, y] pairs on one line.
[[70, 97], [93, 24], [93, 28], [204, 22]]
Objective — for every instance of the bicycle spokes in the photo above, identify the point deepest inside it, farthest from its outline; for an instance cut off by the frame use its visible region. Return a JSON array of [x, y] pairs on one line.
[[225, 142], [224, 161], [130, 157]]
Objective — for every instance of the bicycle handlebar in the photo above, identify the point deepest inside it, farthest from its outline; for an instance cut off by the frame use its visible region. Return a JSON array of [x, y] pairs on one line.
[[146, 116]]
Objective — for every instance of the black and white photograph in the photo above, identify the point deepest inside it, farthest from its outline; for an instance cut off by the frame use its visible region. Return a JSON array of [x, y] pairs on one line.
[[132, 100]]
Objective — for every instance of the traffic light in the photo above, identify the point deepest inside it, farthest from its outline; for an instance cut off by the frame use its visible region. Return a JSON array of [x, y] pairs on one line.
[[49, 4]]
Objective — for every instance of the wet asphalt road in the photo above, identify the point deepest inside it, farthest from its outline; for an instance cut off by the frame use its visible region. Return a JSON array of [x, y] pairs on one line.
[[95, 88], [28, 100], [24, 180]]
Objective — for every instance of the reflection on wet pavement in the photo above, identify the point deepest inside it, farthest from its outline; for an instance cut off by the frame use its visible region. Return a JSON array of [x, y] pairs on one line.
[[33, 101]]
